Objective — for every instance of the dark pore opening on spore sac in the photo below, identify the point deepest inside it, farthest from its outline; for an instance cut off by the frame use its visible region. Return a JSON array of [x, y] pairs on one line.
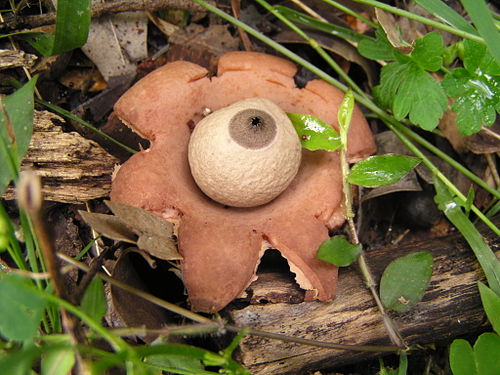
[[252, 128], [256, 122]]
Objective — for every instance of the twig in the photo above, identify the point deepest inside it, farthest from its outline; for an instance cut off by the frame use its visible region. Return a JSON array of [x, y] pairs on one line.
[[219, 325], [236, 8], [100, 9]]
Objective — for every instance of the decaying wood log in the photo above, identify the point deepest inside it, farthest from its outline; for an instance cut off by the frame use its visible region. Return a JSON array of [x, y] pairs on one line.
[[73, 168], [450, 307]]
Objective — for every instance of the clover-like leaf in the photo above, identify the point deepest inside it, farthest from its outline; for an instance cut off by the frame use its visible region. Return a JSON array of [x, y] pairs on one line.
[[476, 88], [428, 52], [314, 134], [377, 49], [409, 90]]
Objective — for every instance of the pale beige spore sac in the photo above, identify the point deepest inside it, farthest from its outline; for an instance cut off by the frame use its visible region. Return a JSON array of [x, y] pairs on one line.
[[245, 154]]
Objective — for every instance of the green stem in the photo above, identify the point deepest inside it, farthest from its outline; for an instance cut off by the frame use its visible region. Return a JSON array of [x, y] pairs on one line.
[[399, 130], [421, 19], [360, 98]]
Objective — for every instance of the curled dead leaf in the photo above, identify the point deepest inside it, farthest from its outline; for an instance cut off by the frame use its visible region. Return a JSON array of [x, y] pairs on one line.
[[151, 233]]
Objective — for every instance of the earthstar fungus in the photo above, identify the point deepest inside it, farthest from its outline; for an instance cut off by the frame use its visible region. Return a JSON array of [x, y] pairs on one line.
[[222, 246]]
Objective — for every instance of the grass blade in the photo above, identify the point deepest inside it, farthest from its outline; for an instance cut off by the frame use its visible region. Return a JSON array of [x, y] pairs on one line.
[[484, 254], [439, 9], [72, 28], [480, 14]]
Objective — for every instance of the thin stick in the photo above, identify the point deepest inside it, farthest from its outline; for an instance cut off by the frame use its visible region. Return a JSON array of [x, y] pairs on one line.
[[100, 9], [219, 325]]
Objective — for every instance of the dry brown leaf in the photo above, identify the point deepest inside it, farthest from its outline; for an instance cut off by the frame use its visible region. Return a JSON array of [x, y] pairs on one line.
[[141, 221], [335, 45], [109, 226], [162, 248]]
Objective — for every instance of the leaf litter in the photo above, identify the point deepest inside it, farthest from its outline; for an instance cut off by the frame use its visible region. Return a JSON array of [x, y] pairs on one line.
[[133, 225]]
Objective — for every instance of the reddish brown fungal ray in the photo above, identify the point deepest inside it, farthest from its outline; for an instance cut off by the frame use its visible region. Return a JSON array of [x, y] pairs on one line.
[[222, 246]]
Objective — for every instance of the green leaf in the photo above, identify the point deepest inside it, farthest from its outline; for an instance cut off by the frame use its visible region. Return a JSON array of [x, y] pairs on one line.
[[72, 27], [172, 362], [409, 90], [314, 134], [19, 362], [58, 359], [453, 211], [491, 304], [403, 364], [16, 129], [487, 353], [480, 14], [462, 361], [344, 116], [94, 300], [21, 308], [381, 170], [338, 251], [404, 281], [476, 87], [377, 49], [428, 52]]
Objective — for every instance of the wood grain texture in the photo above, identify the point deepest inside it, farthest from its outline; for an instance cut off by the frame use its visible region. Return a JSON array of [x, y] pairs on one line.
[[450, 307], [73, 168]]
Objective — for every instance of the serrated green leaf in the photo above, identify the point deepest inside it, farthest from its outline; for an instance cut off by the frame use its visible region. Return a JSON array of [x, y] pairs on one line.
[[409, 90], [21, 308], [491, 304], [487, 354], [381, 170], [478, 60], [462, 360], [338, 251], [405, 280], [428, 52], [377, 49], [314, 134], [72, 27], [94, 300], [477, 89]]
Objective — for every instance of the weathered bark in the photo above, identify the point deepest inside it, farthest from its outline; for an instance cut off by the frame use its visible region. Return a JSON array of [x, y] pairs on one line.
[[450, 307], [99, 9], [73, 168]]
